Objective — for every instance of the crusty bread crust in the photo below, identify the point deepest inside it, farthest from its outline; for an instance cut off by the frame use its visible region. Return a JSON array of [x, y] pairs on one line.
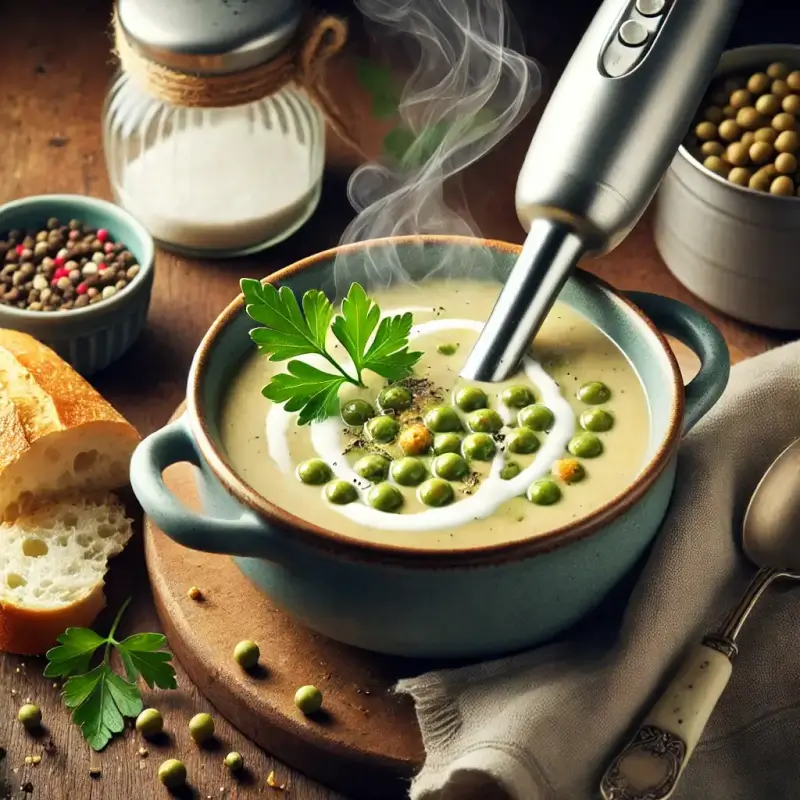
[[76, 401], [57, 433], [31, 632]]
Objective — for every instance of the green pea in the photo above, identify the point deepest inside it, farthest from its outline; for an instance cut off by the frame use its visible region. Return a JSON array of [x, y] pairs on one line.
[[478, 447], [395, 398], [436, 492], [442, 419], [517, 396], [594, 393], [446, 443], [372, 468], [585, 445], [246, 654], [447, 349], [30, 716], [314, 472], [150, 722], [201, 727], [522, 440], [536, 417], [385, 497], [471, 398], [341, 492], [357, 412], [544, 492], [172, 773], [383, 429], [510, 470], [597, 420], [484, 420], [308, 699], [450, 466], [408, 471], [234, 762]]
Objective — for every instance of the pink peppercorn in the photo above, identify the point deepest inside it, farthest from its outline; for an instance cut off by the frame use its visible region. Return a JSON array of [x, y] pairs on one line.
[[81, 288], [108, 247], [59, 261], [102, 234], [20, 249], [61, 272], [101, 267]]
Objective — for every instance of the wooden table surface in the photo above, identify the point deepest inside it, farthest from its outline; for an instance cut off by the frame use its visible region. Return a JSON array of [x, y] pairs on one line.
[[54, 69]]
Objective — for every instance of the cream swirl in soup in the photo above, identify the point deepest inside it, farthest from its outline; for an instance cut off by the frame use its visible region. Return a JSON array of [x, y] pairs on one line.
[[537, 451]]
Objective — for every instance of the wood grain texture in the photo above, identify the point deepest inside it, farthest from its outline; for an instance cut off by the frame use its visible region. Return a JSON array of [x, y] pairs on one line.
[[54, 70], [366, 742]]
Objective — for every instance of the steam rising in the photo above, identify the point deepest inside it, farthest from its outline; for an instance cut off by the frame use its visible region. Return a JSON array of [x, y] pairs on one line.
[[472, 81]]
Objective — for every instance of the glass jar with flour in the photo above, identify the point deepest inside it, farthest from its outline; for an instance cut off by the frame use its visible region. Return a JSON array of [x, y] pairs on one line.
[[214, 131]]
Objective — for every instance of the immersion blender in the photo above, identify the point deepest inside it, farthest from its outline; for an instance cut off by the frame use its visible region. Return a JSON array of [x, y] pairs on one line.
[[606, 138]]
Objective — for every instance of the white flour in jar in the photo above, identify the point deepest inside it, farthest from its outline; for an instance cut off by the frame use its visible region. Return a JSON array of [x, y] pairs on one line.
[[222, 186]]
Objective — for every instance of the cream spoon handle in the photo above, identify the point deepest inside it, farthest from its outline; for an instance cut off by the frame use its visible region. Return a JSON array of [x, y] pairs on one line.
[[650, 766]]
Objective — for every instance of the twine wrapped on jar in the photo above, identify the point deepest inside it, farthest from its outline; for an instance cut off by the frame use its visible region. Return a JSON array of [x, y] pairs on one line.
[[302, 63]]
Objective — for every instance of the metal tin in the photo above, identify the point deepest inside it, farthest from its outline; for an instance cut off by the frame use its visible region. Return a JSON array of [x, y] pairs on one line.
[[209, 36], [733, 247]]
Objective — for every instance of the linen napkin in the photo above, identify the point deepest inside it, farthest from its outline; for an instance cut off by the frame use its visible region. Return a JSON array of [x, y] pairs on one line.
[[543, 725]]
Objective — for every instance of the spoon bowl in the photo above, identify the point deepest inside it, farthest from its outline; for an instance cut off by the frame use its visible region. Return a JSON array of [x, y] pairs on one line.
[[771, 528]]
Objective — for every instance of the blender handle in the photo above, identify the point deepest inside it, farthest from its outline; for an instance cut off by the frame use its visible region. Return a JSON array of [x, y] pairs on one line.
[[619, 113]]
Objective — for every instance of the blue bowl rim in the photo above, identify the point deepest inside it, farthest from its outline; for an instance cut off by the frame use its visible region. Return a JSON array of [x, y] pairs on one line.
[[119, 214], [350, 547]]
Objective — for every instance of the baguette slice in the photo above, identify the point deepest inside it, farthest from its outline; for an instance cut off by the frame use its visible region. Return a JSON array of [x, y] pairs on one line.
[[52, 564], [57, 434]]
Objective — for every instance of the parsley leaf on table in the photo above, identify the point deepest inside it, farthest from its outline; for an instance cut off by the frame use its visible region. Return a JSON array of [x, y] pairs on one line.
[[101, 699], [289, 330]]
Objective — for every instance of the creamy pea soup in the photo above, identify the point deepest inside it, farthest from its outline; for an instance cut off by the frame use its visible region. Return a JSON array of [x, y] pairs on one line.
[[436, 462]]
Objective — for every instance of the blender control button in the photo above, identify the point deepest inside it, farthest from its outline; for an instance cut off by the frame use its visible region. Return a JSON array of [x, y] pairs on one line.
[[632, 33], [650, 8]]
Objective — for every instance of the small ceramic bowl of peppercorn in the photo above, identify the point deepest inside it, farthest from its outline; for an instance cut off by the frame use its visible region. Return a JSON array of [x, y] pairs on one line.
[[727, 219], [76, 273]]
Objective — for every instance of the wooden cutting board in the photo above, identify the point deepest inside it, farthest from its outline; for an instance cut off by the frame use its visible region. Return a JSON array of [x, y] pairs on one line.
[[367, 744]]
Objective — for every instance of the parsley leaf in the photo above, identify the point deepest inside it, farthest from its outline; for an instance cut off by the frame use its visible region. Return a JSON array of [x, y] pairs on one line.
[[74, 654], [288, 331], [101, 699], [293, 329], [388, 355], [360, 315], [306, 389], [144, 654]]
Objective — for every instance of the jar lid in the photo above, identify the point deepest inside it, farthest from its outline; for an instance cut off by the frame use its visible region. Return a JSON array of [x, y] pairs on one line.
[[209, 36]]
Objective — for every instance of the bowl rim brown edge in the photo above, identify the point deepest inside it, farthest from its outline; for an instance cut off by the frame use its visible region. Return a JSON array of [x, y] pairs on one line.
[[347, 547]]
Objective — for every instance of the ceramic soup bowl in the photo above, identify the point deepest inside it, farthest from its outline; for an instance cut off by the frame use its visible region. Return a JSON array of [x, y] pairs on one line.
[[447, 603]]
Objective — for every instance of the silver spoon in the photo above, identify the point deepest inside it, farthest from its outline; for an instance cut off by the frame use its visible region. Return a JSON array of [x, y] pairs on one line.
[[652, 763]]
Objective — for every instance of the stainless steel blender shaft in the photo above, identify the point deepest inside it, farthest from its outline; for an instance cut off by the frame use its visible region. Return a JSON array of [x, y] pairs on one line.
[[605, 140], [550, 251]]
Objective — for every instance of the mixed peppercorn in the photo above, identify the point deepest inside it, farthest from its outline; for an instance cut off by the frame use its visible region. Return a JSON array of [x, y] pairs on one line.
[[63, 267]]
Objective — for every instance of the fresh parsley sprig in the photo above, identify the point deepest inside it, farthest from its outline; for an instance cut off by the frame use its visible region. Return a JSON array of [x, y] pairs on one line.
[[101, 699], [376, 344]]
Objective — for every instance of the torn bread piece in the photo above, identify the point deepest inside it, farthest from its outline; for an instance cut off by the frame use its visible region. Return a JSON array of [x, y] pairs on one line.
[[52, 568]]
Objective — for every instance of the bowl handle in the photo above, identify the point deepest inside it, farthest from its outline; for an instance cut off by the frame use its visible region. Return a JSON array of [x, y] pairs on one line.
[[699, 335], [246, 536]]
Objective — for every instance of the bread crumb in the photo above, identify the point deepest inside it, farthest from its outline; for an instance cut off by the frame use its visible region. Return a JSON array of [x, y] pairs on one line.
[[29, 759], [195, 594], [36, 759], [143, 752], [273, 783], [95, 772]]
